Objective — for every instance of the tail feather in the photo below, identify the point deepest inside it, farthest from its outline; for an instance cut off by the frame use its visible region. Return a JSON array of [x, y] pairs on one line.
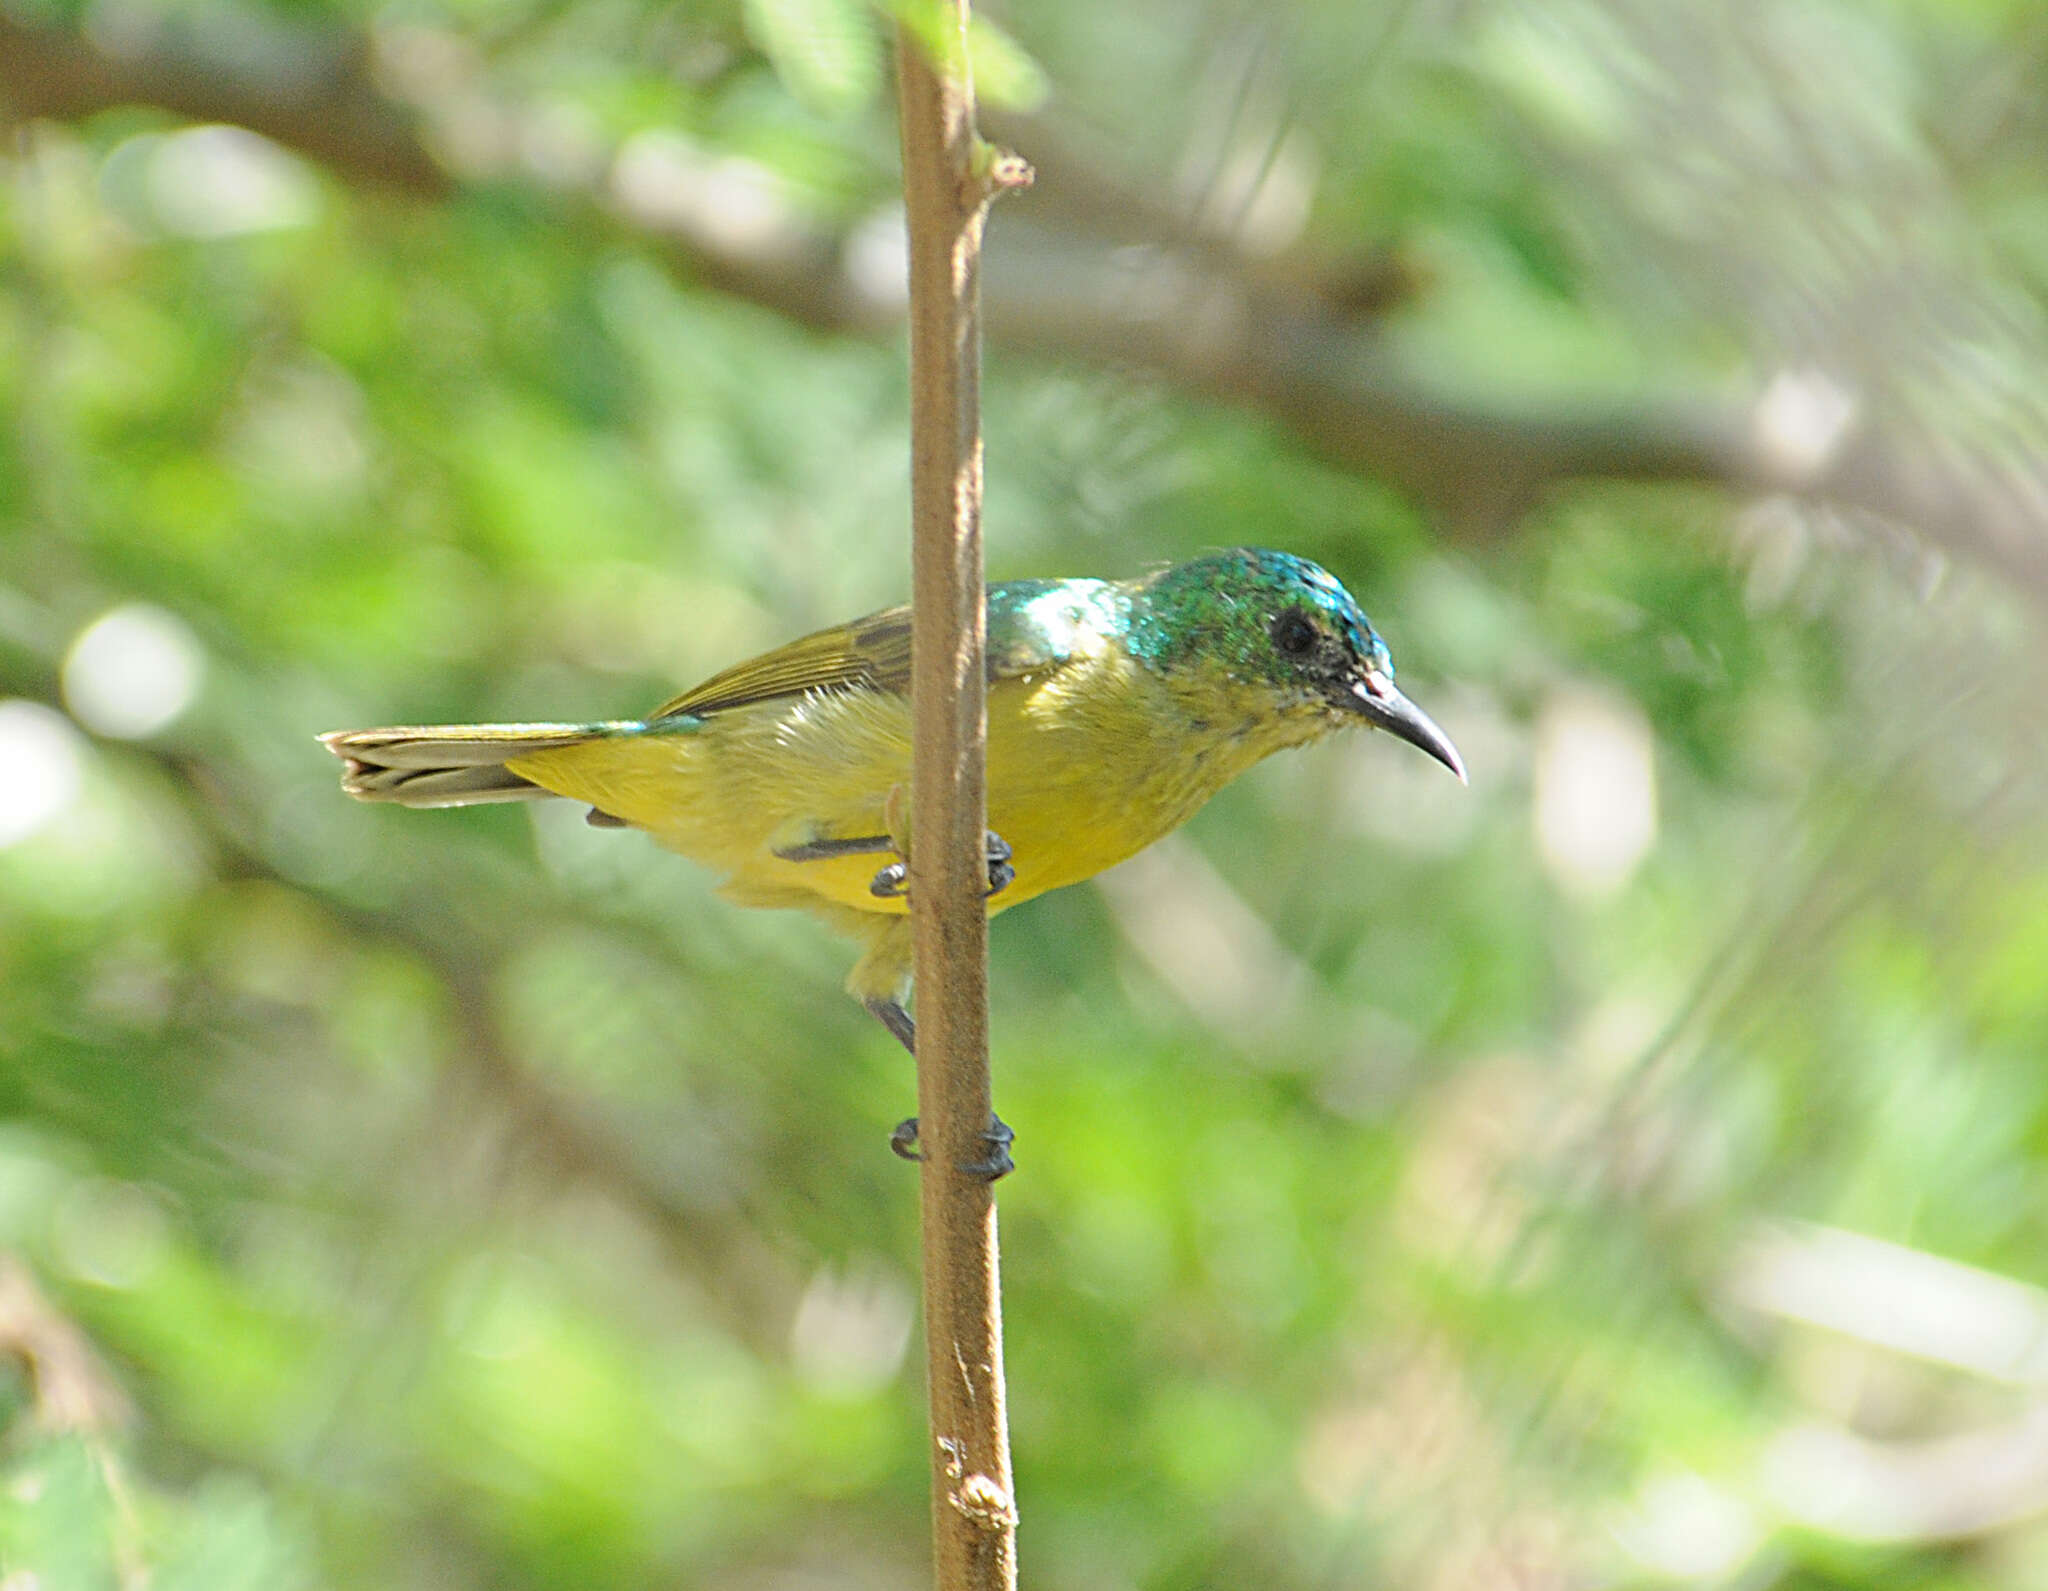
[[449, 765]]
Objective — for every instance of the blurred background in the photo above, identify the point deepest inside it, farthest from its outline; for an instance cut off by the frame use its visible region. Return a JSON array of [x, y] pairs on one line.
[[1629, 1172]]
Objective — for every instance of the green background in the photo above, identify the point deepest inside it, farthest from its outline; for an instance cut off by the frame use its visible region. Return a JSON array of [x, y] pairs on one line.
[[1630, 1171]]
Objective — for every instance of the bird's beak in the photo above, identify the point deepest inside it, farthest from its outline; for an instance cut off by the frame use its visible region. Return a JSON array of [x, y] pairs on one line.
[[1375, 699]]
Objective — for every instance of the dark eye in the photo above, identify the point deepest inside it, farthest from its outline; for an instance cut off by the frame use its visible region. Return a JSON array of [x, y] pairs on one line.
[[1294, 632]]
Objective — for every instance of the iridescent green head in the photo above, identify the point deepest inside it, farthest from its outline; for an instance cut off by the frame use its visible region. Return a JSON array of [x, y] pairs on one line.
[[1275, 620]]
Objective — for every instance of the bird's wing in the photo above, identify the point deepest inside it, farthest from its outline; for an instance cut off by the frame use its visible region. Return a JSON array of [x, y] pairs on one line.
[[871, 654]]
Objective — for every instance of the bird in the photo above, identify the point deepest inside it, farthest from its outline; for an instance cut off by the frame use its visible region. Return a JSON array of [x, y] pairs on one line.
[[1116, 709]]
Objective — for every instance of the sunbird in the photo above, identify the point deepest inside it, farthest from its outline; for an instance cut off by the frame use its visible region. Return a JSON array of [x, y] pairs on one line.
[[1116, 708]]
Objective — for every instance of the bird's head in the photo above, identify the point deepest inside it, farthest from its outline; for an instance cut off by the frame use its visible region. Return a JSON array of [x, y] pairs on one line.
[[1288, 628]]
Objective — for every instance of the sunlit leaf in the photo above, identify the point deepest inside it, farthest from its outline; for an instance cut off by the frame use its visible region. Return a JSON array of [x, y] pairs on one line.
[[826, 51]]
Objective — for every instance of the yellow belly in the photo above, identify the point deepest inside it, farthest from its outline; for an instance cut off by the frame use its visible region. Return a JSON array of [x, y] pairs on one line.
[[1085, 769]]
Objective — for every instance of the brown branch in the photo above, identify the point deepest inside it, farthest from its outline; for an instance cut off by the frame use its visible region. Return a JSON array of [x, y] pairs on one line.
[[311, 93], [73, 1394], [1302, 349], [946, 188], [71, 1389]]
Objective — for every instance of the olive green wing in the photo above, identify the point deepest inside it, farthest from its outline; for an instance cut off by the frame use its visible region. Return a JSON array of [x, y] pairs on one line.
[[874, 654], [868, 654]]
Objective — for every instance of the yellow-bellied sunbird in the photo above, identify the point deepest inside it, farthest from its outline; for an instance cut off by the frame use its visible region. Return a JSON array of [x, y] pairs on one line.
[[1116, 708]]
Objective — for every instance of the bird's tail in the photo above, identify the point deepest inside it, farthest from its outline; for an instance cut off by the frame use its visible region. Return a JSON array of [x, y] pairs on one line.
[[450, 765]]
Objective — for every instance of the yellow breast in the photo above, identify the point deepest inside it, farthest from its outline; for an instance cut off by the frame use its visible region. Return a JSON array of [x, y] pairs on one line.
[[1088, 763]]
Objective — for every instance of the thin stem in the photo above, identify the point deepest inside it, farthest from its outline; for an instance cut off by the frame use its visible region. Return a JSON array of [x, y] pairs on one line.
[[946, 185]]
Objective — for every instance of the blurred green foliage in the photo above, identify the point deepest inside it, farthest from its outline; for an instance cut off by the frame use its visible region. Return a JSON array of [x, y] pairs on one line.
[[1420, 1188]]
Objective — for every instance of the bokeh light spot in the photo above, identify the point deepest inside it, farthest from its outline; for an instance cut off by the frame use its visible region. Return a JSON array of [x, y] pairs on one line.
[[217, 182], [132, 671], [42, 764], [1686, 1528], [1596, 790]]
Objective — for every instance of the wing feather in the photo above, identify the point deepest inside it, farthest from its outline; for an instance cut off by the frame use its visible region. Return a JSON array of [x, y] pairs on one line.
[[871, 653], [1032, 625]]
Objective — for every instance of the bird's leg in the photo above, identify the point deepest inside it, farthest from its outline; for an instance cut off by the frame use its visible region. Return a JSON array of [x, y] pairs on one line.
[[894, 880], [897, 1020], [888, 884], [997, 1135], [823, 850]]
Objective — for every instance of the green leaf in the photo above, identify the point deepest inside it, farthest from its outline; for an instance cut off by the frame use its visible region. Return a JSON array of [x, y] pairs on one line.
[[825, 51], [1005, 73]]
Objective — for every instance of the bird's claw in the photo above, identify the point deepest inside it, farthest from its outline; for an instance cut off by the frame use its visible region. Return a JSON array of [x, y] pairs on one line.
[[893, 881], [996, 850], [996, 1163]]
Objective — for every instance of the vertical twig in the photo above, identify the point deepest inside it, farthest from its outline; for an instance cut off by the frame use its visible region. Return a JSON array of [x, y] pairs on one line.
[[948, 180]]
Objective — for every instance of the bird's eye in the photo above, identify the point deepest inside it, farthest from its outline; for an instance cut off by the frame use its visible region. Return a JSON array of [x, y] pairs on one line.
[[1294, 633]]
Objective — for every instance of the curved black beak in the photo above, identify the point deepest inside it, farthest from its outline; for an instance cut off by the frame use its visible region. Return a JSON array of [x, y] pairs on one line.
[[1375, 699]]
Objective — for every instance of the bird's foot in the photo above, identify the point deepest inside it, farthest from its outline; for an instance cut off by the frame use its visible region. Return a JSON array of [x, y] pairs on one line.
[[996, 1163], [996, 850], [893, 881], [998, 1137]]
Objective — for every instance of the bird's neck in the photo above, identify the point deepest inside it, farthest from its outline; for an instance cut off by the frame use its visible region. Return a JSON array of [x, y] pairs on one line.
[[1193, 730]]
